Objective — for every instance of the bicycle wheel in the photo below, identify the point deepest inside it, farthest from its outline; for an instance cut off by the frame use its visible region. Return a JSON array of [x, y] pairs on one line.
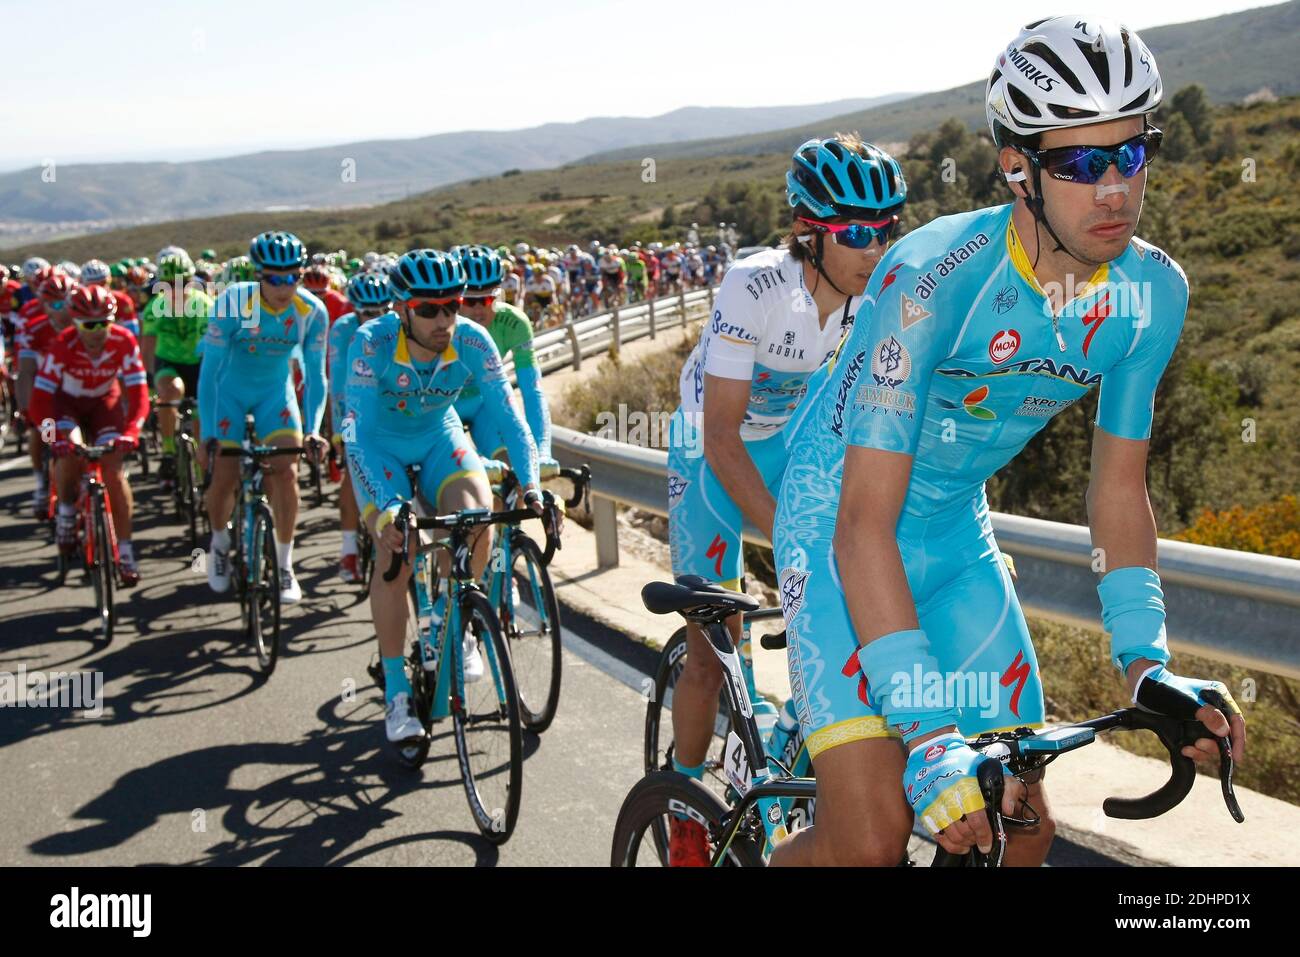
[[489, 732], [264, 591], [649, 807], [101, 571], [530, 619], [187, 486]]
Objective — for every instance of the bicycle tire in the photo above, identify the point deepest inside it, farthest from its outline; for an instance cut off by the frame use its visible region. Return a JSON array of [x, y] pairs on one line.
[[189, 478], [496, 822], [413, 754], [532, 651], [646, 810], [102, 568], [263, 608]]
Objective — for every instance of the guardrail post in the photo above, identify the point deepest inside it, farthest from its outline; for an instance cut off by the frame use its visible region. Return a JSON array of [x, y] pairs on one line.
[[573, 344], [652, 317], [604, 518], [710, 287], [618, 332], [681, 305]]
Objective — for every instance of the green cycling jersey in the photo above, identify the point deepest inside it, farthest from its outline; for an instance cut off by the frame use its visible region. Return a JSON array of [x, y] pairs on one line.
[[177, 331]]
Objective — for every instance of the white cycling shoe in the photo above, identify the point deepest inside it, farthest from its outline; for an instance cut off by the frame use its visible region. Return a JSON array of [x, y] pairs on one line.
[[473, 660], [218, 570], [400, 722], [290, 591]]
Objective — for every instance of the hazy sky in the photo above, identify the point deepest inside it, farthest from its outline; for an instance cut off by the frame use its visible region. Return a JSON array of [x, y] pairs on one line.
[[195, 78]]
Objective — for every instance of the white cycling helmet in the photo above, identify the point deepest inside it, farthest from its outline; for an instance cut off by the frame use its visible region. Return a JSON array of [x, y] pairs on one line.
[[170, 251], [1070, 71], [69, 268], [94, 272], [33, 266]]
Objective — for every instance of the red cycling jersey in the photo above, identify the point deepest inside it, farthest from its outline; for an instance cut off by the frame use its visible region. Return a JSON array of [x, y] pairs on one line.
[[35, 333], [69, 371], [336, 304]]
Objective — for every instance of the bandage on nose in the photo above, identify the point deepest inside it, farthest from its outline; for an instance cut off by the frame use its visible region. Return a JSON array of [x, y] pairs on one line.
[[1104, 191]]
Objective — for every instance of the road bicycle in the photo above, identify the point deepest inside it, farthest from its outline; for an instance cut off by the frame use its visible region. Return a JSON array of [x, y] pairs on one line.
[[188, 484], [254, 564], [96, 538], [743, 831], [485, 715], [519, 587], [779, 730]]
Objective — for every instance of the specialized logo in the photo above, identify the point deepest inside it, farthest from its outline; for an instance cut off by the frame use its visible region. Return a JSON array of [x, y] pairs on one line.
[[1035, 76], [458, 456], [676, 487], [929, 282], [284, 416], [224, 426], [1004, 344], [1005, 300], [889, 277], [853, 667], [1093, 318], [717, 551], [891, 364], [792, 583], [289, 324], [1017, 674], [909, 312], [851, 372]]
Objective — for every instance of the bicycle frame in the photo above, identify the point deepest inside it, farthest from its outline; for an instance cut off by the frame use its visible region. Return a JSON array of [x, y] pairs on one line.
[[92, 486]]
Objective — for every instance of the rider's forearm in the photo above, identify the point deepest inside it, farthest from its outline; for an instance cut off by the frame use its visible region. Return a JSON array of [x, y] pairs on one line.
[[147, 346], [1123, 527], [730, 462], [875, 584]]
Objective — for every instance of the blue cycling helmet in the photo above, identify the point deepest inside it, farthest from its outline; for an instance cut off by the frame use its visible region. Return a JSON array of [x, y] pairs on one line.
[[829, 178], [458, 250], [427, 274], [483, 269], [368, 290], [276, 249]]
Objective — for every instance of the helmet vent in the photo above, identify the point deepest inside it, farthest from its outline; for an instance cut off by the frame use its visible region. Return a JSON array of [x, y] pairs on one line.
[[1048, 56], [876, 187], [855, 178], [1023, 103], [1097, 60]]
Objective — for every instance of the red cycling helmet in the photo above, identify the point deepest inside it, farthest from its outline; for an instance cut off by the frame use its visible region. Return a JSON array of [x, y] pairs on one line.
[[316, 278], [92, 302], [57, 285], [137, 276]]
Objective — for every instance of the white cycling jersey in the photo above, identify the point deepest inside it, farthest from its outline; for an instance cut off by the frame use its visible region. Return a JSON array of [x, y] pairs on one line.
[[764, 328]]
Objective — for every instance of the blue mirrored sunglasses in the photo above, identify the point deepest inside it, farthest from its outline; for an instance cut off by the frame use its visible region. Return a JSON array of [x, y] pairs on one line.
[[290, 279], [1087, 164], [856, 235]]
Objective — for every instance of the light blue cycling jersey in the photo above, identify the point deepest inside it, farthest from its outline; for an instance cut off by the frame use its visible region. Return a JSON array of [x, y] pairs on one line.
[[340, 338], [957, 360], [246, 364], [402, 405]]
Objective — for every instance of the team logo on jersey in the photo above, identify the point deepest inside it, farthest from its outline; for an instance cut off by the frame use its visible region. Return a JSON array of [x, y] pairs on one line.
[[1005, 300], [362, 368], [403, 381], [1017, 674], [367, 347], [676, 487], [289, 324], [909, 312], [1041, 407], [789, 338], [1093, 318], [891, 364], [889, 277], [1004, 344], [972, 400], [842, 393], [793, 583]]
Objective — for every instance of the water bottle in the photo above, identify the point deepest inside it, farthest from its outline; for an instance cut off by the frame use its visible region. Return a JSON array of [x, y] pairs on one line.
[[786, 727]]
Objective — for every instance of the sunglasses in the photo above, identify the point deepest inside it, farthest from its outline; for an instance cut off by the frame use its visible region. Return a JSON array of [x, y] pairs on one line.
[[371, 312], [433, 308], [1087, 164], [291, 279], [856, 235], [484, 301], [93, 325]]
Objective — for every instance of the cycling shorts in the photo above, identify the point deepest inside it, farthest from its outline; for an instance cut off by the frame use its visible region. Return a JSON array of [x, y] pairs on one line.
[[99, 418], [274, 407], [379, 477], [704, 524], [592, 284], [187, 372], [487, 440], [965, 603]]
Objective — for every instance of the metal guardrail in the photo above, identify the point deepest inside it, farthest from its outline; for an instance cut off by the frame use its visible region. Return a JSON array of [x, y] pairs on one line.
[[1227, 605]]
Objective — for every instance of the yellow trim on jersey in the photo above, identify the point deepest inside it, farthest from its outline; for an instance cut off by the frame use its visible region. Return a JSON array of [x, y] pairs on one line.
[[1020, 259], [863, 728], [402, 354], [300, 305]]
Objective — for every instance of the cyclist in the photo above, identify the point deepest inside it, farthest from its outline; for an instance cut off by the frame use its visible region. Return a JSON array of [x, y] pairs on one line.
[[78, 390], [694, 267], [513, 335], [671, 265], [612, 276], [319, 281], [539, 293], [977, 329], [405, 369], [43, 319], [95, 272], [371, 297], [778, 315], [636, 276], [247, 352], [174, 322]]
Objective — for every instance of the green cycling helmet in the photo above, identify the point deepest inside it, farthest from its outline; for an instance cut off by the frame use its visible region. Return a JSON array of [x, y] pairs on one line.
[[239, 269], [174, 267], [209, 254]]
